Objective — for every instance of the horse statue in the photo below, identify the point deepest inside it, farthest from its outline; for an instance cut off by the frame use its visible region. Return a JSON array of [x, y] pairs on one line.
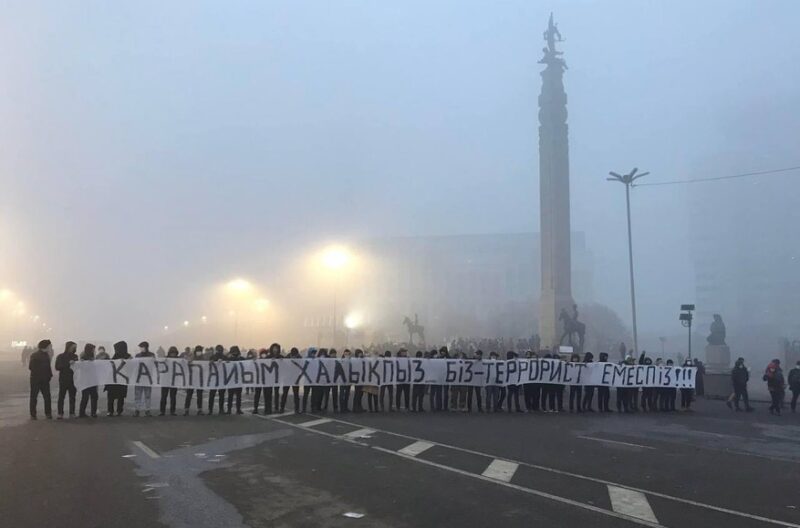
[[413, 327], [571, 327]]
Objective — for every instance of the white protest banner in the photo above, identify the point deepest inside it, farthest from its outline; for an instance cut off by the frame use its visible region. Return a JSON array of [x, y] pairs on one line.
[[185, 374]]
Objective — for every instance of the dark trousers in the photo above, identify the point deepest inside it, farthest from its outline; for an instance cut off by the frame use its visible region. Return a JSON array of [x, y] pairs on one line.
[[500, 399], [187, 403], [576, 398], [603, 399], [686, 398], [417, 398], [211, 395], [513, 397], [87, 395], [44, 388], [383, 391], [403, 391], [235, 394], [172, 394], [306, 393], [335, 397], [478, 398], [116, 400], [276, 396], [65, 389], [295, 395], [777, 400], [372, 402], [740, 392], [531, 392], [267, 399], [623, 400], [344, 398], [435, 398], [588, 398], [793, 404], [445, 397]]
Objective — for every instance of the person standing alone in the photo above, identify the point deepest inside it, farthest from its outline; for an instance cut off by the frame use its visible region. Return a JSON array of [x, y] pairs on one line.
[[41, 374]]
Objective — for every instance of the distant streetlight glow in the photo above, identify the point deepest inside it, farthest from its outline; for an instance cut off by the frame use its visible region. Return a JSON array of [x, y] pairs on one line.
[[261, 305], [239, 286], [204, 319], [186, 323], [353, 320], [166, 328], [335, 257], [5, 294]]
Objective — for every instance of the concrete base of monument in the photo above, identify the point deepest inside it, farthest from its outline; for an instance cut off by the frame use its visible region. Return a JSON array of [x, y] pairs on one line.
[[718, 358]]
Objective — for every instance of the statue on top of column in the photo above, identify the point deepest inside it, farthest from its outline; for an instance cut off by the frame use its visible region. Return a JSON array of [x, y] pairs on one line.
[[551, 55]]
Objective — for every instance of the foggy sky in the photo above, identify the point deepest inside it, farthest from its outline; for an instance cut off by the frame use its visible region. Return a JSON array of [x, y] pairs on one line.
[[150, 149]]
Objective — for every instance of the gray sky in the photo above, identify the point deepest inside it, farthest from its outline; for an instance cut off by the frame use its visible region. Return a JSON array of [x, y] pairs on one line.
[[150, 148]]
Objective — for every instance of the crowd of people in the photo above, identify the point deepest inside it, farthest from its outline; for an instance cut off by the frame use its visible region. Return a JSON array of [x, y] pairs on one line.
[[527, 397]]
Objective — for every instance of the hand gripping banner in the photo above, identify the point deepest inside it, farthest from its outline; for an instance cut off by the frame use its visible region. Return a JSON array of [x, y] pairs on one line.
[[186, 374]]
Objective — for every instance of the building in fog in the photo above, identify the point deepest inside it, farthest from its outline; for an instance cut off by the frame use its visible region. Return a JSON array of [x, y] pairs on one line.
[[478, 285]]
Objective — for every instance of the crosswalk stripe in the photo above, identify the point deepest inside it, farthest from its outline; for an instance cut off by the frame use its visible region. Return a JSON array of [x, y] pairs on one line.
[[359, 433], [149, 452], [416, 448], [632, 503], [501, 470], [314, 423]]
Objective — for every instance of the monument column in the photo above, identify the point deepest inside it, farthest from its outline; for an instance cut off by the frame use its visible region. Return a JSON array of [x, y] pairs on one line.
[[556, 268]]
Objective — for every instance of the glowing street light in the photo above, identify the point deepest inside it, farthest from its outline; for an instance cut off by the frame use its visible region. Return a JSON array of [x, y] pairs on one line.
[[239, 286], [186, 323], [353, 320], [166, 328], [204, 319], [335, 257]]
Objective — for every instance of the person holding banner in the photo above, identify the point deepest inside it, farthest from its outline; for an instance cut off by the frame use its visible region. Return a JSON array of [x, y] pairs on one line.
[[89, 393], [478, 357], [588, 391], [235, 393], [263, 354], [603, 392], [218, 356], [687, 394], [141, 395], [575, 391], [66, 383], [418, 392], [279, 394], [41, 374], [117, 393], [197, 355], [403, 389], [384, 389], [169, 392], [512, 390]]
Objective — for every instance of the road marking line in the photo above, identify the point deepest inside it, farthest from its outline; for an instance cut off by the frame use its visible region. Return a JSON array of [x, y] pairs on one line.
[[149, 452], [632, 503], [501, 470], [359, 433], [529, 491], [416, 448], [314, 423], [607, 441], [582, 477], [283, 415]]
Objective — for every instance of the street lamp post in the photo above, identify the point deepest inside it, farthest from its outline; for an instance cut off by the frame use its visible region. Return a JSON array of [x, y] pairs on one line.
[[628, 180], [686, 320]]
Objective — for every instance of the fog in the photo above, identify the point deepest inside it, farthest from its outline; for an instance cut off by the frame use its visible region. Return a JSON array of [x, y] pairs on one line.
[[152, 152]]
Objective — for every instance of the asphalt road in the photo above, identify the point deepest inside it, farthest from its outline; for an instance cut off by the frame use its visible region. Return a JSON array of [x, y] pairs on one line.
[[706, 468]]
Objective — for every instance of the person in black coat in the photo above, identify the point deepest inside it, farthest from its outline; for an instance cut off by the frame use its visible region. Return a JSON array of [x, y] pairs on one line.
[[235, 355], [169, 392], [41, 374], [588, 391], [66, 383], [89, 393], [117, 393], [218, 355], [603, 392], [263, 354], [197, 355]]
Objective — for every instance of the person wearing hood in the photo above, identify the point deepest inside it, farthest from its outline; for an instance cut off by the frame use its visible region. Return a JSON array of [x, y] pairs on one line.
[[169, 392], [294, 353], [512, 391], [588, 391], [740, 375], [66, 381], [141, 395], [794, 385], [670, 393], [263, 354], [217, 356], [90, 393], [775, 385], [649, 400], [575, 391], [275, 353], [197, 355], [687, 395], [117, 393], [41, 374], [603, 392], [236, 393]]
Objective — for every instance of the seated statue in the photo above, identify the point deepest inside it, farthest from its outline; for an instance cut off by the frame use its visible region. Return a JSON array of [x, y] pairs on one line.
[[717, 336]]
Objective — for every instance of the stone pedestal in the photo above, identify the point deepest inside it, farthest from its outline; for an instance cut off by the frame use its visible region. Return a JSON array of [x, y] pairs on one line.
[[718, 358]]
